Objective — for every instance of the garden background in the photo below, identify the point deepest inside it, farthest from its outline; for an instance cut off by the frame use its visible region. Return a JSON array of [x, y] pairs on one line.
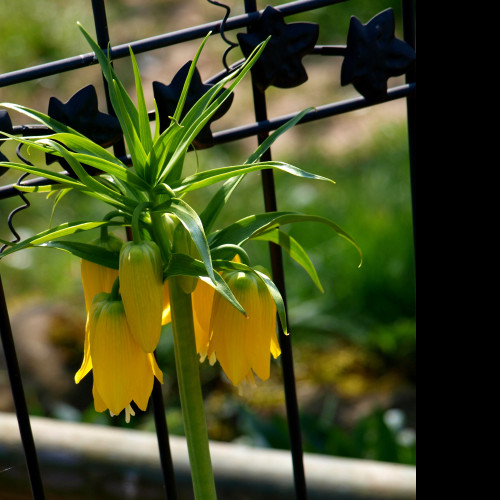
[[354, 345]]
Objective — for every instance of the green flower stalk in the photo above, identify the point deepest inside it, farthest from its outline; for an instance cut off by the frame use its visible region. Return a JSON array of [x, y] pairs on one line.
[[179, 260]]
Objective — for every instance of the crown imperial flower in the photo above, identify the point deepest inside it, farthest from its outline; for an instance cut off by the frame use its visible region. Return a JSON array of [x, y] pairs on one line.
[[141, 288], [243, 344], [122, 371]]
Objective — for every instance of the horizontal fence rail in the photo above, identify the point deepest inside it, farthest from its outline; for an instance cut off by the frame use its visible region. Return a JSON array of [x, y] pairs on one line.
[[153, 43]]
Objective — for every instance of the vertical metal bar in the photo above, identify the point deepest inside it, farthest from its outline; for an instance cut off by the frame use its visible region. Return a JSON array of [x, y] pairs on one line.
[[276, 255], [167, 466], [166, 461], [102, 33], [22, 413], [408, 10]]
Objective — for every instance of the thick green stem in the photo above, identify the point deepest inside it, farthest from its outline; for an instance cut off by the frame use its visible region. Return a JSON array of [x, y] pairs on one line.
[[188, 374]]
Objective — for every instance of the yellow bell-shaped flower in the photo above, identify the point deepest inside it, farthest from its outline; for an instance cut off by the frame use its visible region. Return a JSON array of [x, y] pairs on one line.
[[122, 371], [141, 288], [243, 344]]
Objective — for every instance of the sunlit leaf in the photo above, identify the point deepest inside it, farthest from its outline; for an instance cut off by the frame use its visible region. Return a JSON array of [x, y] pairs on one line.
[[60, 231], [209, 177], [256, 225], [92, 253], [294, 249]]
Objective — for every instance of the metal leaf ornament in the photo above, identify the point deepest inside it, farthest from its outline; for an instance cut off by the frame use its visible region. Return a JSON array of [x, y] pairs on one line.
[[167, 97], [281, 62], [5, 126], [374, 54], [81, 113]]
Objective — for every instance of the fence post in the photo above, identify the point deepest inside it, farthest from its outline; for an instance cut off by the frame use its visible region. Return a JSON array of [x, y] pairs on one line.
[[22, 413]]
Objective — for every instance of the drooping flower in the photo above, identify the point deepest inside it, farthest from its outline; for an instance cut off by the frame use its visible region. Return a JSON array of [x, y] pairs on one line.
[[243, 344], [122, 371], [202, 301], [141, 288]]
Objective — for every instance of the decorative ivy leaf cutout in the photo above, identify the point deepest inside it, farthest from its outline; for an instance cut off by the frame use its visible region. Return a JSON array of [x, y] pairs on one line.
[[81, 113], [374, 54], [281, 62], [167, 97]]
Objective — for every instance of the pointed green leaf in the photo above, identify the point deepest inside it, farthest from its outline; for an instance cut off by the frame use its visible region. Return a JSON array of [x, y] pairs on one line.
[[47, 174], [65, 229], [221, 197], [144, 126], [46, 120], [91, 182], [256, 225], [209, 177], [217, 203], [294, 249], [201, 112], [187, 83], [57, 198], [278, 299], [268, 142], [92, 253]]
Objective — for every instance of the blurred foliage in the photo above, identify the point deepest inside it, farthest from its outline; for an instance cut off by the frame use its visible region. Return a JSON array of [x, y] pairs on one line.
[[355, 344]]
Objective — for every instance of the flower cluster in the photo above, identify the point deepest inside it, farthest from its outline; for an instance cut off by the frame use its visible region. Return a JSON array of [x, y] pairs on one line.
[[179, 266], [124, 317], [126, 309], [241, 343]]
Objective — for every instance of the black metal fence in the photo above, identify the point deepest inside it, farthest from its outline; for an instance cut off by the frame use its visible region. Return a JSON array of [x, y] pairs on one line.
[[371, 56]]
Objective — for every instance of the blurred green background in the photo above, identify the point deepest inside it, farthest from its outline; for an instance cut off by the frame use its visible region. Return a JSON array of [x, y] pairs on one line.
[[354, 345]]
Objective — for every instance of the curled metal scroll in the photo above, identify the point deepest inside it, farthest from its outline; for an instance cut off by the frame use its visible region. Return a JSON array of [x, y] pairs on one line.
[[26, 204], [231, 44]]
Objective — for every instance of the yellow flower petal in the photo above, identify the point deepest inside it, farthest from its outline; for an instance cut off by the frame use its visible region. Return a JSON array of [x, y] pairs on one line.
[[87, 360], [122, 371], [96, 279], [99, 404], [202, 298], [243, 344]]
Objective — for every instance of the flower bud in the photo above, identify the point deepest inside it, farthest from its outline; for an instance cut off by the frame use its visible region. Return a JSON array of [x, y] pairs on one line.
[[141, 288]]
